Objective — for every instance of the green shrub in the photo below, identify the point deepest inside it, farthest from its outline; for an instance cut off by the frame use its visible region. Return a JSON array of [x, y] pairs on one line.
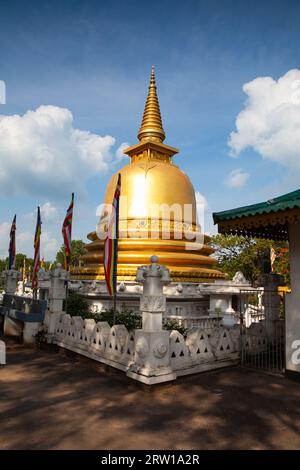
[[40, 338], [174, 325], [78, 306], [128, 318]]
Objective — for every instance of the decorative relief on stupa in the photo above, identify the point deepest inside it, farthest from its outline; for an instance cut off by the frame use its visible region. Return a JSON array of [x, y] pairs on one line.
[[147, 167]]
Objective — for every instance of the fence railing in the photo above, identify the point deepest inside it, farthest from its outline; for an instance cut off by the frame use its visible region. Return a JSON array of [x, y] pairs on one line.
[[262, 324]]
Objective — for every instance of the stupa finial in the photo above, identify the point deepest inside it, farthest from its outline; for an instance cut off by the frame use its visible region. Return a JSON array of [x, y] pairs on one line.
[[151, 128]]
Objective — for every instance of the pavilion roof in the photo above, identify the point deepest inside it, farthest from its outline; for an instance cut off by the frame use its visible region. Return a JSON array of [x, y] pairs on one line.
[[268, 219]]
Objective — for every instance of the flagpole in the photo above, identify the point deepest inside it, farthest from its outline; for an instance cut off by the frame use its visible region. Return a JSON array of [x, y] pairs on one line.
[[24, 274], [67, 293], [117, 247], [115, 288], [115, 281], [36, 262], [110, 251], [66, 284], [67, 237]]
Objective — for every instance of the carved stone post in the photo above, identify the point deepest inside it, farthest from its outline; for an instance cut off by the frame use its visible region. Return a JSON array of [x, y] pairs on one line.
[[57, 294], [271, 300], [152, 357], [11, 326], [58, 277], [11, 281], [44, 284]]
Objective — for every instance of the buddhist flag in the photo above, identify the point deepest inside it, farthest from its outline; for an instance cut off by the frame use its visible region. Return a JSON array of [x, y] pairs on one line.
[[111, 244], [273, 258], [12, 245], [67, 233], [24, 270], [37, 239]]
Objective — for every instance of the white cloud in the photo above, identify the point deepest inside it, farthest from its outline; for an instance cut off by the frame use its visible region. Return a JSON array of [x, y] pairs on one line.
[[270, 120], [48, 213], [120, 151], [236, 179], [24, 240], [204, 214], [41, 152], [49, 246], [4, 238], [201, 201]]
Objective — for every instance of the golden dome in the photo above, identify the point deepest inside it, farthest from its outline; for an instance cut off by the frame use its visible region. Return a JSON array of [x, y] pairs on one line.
[[147, 184], [157, 211]]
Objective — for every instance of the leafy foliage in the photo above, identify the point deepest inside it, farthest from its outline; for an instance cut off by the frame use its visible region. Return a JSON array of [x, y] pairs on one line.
[[174, 325], [40, 338], [237, 253], [126, 317], [3, 264], [77, 250], [19, 262], [20, 257], [78, 306], [282, 261]]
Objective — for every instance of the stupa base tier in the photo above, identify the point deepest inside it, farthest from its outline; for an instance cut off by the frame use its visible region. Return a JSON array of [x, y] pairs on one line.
[[185, 301], [128, 273]]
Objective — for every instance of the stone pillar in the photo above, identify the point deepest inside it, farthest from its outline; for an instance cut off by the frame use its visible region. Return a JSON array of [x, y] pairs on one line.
[[271, 300], [11, 281], [44, 284], [293, 305], [152, 355], [57, 294], [11, 327], [58, 282]]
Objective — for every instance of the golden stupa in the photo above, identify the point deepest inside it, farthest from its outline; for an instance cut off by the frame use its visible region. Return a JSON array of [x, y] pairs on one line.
[[150, 183]]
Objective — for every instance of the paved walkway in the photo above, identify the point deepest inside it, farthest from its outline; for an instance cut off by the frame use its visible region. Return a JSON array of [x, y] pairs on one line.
[[50, 401]]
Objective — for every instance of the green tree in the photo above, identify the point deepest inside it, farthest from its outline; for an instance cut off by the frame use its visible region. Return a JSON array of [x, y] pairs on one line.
[[77, 249], [282, 261], [78, 305], [3, 265], [19, 262], [236, 253]]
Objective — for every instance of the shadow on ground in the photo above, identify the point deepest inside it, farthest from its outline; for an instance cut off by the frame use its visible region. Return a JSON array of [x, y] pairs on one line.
[[50, 401]]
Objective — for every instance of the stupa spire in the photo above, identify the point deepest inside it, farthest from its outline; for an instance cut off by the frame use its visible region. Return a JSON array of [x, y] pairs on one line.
[[151, 128]]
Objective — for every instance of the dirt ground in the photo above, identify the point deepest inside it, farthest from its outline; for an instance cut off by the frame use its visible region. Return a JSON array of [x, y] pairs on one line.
[[52, 401]]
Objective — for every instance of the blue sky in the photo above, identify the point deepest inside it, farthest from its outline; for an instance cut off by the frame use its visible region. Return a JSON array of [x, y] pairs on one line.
[[94, 58]]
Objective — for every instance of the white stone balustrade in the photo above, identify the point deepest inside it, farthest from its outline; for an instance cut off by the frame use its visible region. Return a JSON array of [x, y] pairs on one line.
[[110, 345], [117, 347], [150, 354]]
